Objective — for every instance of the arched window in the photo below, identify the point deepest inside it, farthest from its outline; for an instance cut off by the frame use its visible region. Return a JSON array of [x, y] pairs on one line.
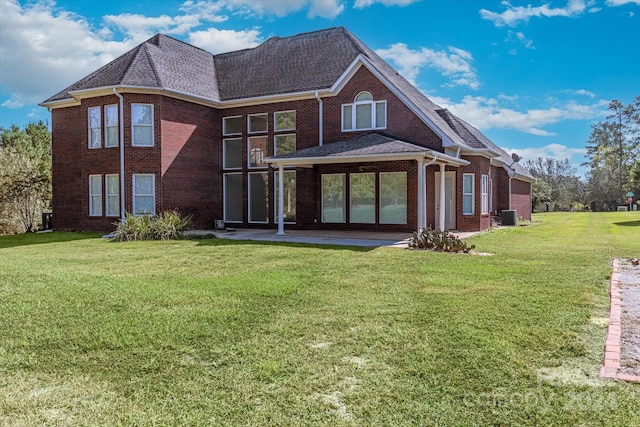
[[364, 113]]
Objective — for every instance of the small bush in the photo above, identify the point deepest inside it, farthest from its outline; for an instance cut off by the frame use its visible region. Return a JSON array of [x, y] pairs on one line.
[[436, 240], [166, 226]]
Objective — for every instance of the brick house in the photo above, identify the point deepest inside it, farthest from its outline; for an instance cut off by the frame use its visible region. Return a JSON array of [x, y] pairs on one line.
[[316, 126]]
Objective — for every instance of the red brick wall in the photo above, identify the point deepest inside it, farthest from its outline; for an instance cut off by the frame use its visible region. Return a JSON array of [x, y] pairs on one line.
[[521, 198]]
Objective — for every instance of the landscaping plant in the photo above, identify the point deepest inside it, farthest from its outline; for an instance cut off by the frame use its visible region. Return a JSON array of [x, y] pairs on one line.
[[438, 240], [166, 226]]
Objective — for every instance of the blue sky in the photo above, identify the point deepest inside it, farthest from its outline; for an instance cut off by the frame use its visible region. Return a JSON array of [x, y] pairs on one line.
[[533, 76]]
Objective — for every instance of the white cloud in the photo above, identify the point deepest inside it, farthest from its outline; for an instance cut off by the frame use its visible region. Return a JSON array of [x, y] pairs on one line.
[[487, 113], [553, 150], [513, 15], [321, 8], [582, 92], [455, 64], [325, 9], [360, 4], [622, 2], [217, 41]]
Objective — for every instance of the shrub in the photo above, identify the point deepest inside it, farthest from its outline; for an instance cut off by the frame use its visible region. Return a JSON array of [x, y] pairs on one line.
[[166, 226], [436, 240]]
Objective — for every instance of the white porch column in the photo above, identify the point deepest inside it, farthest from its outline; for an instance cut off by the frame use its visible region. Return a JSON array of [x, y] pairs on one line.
[[280, 200], [443, 204], [422, 186]]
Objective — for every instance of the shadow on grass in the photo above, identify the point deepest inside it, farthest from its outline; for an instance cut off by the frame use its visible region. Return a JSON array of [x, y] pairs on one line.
[[628, 224], [213, 241], [43, 238]]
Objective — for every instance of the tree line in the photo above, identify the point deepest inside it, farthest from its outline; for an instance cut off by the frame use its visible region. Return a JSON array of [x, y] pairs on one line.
[[613, 167]]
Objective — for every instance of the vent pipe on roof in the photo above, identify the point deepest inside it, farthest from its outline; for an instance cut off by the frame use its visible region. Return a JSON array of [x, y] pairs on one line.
[[319, 119]]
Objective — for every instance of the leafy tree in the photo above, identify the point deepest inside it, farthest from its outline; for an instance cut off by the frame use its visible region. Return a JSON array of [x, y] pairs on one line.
[[556, 182], [25, 175], [612, 149]]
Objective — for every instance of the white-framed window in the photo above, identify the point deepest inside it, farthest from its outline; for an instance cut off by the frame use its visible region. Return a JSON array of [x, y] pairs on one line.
[[258, 123], [232, 125], [468, 197], [142, 125], [95, 127], [284, 120], [364, 113], [333, 198], [112, 184], [484, 193], [285, 143], [362, 194], [95, 195], [289, 184], [111, 136], [259, 197], [257, 147], [232, 183], [144, 194], [232, 153], [393, 198]]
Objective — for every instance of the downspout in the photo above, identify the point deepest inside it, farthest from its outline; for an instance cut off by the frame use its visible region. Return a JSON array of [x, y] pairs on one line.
[[122, 180], [320, 137], [510, 178]]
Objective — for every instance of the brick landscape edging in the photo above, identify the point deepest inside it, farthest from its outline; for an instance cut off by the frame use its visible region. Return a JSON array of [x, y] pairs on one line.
[[611, 363]]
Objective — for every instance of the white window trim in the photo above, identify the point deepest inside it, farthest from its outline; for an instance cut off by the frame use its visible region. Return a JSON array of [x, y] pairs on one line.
[[249, 197], [264, 155], [472, 194], [92, 195], [224, 154], [484, 194], [134, 194], [224, 200], [224, 127], [275, 196], [490, 195], [406, 194], [89, 128], [295, 124], [344, 202], [108, 195], [266, 115], [275, 145], [106, 128], [133, 126], [373, 115]]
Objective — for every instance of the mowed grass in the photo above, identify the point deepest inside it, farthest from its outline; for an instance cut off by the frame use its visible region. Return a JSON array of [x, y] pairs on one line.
[[215, 332]]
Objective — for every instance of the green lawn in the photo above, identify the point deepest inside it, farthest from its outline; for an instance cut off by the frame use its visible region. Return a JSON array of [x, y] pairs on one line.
[[215, 332]]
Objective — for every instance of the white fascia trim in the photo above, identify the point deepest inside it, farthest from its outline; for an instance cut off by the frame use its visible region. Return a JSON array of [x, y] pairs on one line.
[[419, 156]]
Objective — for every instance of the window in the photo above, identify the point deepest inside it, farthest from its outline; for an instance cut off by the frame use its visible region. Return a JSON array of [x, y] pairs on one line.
[[258, 123], [364, 113], [284, 144], [258, 197], [467, 193], [232, 153], [95, 127], [257, 151], [284, 120], [485, 194], [95, 195], [111, 126], [233, 197], [112, 185], [491, 195], [393, 198], [142, 123], [289, 196], [362, 188], [232, 125], [144, 194], [333, 200]]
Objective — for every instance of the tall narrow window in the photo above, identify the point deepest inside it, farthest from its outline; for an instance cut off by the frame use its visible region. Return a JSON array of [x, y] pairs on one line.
[[95, 127], [144, 194], [363, 198], [232, 153], [485, 194], [233, 197], [112, 183], [258, 197], [142, 123], [393, 198], [111, 126], [232, 125], [364, 113], [95, 195], [257, 151], [333, 198], [289, 184], [467, 193]]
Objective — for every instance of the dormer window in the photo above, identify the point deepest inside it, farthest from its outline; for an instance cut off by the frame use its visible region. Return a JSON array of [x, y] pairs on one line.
[[364, 113]]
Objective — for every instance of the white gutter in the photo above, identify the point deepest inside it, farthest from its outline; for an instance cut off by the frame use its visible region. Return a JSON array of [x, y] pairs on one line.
[[122, 180], [320, 138]]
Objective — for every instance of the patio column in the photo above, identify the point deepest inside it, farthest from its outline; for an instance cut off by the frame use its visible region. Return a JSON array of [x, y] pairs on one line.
[[422, 205], [443, 205], [280, 200]]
